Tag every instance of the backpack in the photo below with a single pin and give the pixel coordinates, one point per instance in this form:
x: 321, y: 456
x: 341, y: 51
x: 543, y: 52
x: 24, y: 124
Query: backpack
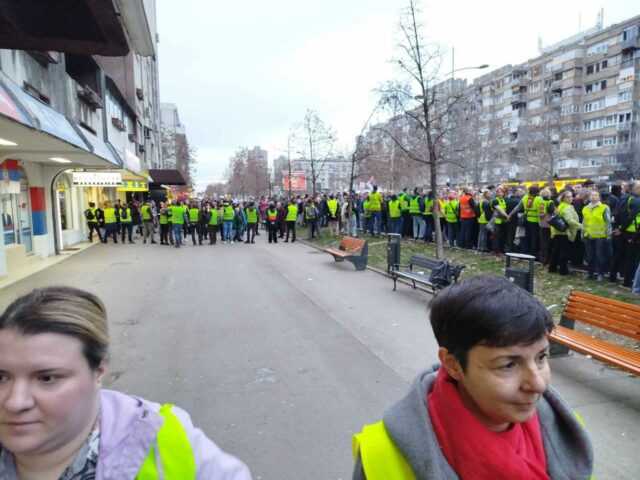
x: 89, y: 215
x: 123, y: 213
x: 621, y: 215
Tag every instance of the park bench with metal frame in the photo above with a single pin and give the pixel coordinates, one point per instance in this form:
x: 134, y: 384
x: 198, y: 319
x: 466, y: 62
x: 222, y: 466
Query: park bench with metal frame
x: 611, y: 315
x: 453, y: 271
x: 352, y: 249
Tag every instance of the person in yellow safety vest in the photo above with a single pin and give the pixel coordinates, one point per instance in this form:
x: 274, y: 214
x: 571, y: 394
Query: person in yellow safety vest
x: 333, y: 217
x: 110, y: 222
x: 597, y: 236
x: 470, y: 415
x: 93, y: 222
x: 395, y: 214
x: 126, y: 223
x: 227, y: 222
x: 75, y: 427
x: 176, y: 216
x: 628, y: 225
x: 366, y: 214
x: 292, y: 215
x: 272, y: 219
x: 375, y: 208
x: 252, y: 222
x: 547, y: 209
x: 416, y: 207
x: 147, y: 221
x: 451, y: 214
x: 499, y: 206
x: 530, y: 205
x: 165, y: 225
x: 404, y: 198
x: 484, y: 208
x: 194, y: 223
x: 212, y: 223
x: 562, y: 240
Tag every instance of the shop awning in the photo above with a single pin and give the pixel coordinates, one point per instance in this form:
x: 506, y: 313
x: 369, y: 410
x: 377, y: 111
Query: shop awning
x: 167, y: 177
x: 98, y: 147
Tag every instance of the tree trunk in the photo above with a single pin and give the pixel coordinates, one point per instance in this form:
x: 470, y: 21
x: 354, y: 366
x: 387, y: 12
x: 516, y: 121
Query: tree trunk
x: 433, y: 170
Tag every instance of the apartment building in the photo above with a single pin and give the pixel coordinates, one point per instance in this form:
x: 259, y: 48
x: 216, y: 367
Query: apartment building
x: 570, y: 112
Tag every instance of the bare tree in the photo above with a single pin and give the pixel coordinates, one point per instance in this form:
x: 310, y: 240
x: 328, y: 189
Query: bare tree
x: 628, y: 160
x: 425, y: 102
x: 317, y: 140
x: 236, y: 173
x: 216, y: 190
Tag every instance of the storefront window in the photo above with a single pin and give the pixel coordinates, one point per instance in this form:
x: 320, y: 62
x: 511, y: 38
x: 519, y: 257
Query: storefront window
x: 9, y: 217
x: 64, y: 199
x: 15, y: 211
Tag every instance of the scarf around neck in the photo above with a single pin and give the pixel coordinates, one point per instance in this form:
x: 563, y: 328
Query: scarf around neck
x: 474, y: 451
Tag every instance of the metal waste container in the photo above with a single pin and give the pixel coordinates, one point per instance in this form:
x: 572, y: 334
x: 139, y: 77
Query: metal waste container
x: 523, y: 276
x: 393, y: 250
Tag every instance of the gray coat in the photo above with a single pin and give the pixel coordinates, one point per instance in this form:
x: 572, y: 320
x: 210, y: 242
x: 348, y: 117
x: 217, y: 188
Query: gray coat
x: 566, y: 445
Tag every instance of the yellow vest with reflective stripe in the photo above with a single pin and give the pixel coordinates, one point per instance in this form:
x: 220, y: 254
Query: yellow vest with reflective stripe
x: 394, y: 209
x: 636, y: 221
x: 177, y: 214
x: 366, y: 208
x: 381, y: 459
x: 252, y: 215
x: 213, y: 221
x: 171, y: 456
x: 484, y: 206
x: 194, y: 213
x: 414, y: 205
x: 145, y: 210
x: 503, y: 205
x: 228, y: 214
x: 428, y: 207
x: 594, y: 224
x: 376, y: 201
x: 404, y: 203
x: 533, y: 212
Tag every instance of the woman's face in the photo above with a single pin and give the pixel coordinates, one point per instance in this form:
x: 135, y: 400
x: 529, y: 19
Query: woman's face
x: 594, y: 197
x: 49, y: 395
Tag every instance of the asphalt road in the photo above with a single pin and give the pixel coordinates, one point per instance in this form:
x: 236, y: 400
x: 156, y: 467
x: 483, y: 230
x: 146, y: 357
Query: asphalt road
x: 280, y: 355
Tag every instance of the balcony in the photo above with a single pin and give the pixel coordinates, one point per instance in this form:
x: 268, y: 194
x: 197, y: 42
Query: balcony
x: 623, y: 147
x: 633, y: 42
x: 556, y: 86
x: 624, y: 126
x: 517, y: 98
x: 520, y: 82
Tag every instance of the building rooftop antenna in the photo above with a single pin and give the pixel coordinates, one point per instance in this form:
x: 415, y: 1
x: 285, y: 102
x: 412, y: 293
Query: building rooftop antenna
x: 600, y: 21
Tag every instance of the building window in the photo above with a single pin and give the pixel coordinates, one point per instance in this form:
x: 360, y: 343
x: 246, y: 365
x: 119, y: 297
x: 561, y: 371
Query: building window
x: 594, y: 105
x: 625, y: 95
x: 596, y: 67
x: 597, y: 48
x: 595, y: 86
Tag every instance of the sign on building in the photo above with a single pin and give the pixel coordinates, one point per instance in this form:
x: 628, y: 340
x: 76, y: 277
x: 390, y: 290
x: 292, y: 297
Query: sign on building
x: 97, y: 179
x: 133, y: 186
x: 298, y: 180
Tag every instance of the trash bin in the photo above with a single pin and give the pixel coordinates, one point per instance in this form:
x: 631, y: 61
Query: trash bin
x: 393, y: 250
x: 523, y: 277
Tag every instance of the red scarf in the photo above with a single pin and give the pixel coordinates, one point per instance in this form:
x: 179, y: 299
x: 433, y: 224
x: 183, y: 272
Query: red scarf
x: 474, y: 451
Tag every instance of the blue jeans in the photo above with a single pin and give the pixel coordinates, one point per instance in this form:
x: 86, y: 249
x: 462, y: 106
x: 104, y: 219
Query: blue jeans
x: 227, y: 230
x: 177, y: 234
x: 376, y: 217
x: 418, y: 226
x: 428, y: 228
x: 636, y: 282
x: 598, y: 254
x: 452, y: 233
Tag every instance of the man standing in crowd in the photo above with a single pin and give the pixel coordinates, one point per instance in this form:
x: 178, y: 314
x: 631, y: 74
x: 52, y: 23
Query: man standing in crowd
x: 93, y: 221
x: 467, y: 218
x: 110, y: 222
x: 272, y: 218
x: 375, y: 206
x: 292, y: 213
x: 126, y: 223
x: 311, y: 218
x: 194, y: 223
x: 629, y: 228
x: 416, y: 207
x: 252, y: 222
x: 333, y: 216
x: 147, y: 221
x: 395, y: 214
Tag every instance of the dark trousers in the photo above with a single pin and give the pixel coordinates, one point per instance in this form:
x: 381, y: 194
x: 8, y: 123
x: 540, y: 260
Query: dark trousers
x: 312, y: 225
x: 531, y: 239
x: 560, y: 251
x: 273, y: 232
x: 598, y: 254
x: 164, y: 234
x: 407, y: 224
x: 94, y: 226
x: 213, y: 234
x: 251, y: 232
x: 466, y: 232
x: 511, y: 236
x: 499, y: 237
x: 631, y: 257
x: 127, y: 228
x: 110, y: 230
x: 291, y: 227
x: 194, y: 229
x: 545, y: 245
x: 452, y: 233
x: 617, y: 259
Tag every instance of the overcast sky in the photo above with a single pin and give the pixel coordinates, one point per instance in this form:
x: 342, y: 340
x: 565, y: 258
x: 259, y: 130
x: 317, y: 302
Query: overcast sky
x: 243, y: 73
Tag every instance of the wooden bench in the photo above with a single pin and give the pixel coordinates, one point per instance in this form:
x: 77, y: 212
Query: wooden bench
x: 611, y: 315
x: 452, y: 273
x: 352, y: 249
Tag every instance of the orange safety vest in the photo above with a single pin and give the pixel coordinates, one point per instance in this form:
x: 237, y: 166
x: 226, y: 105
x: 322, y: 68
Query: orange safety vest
x: 465, y: 209
x: 273, y: 215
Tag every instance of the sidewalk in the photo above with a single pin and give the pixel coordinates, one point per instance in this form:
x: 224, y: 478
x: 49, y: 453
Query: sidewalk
x: 607, y: 399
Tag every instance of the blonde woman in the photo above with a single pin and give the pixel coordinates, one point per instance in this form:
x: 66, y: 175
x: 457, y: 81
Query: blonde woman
x: 561, y: 242
x: 56, y: 420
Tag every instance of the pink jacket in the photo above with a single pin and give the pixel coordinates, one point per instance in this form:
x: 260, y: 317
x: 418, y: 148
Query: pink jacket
x: 128, y: 428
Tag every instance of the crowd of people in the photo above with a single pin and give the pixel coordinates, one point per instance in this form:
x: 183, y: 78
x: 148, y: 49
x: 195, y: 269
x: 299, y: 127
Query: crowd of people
x: 588, y: 226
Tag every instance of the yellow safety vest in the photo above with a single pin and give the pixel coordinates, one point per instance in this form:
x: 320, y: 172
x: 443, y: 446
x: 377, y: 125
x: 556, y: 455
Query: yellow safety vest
x: 428, y: 207
x: 333, y: 207
x: 176, y: 458
x: 177, y: 214
x: 394, y: 209
x: 194, y: 213
x: 146, y: 213
x: 214, y: 218
x: 404, y: 203
x: 502, y: 203
x: 292, y: 213
x: 414, y: 205
x: 252, y: 215
x: 451, y: 211
x: 482, y: 219
x: 164, y: 217
x: 366, y: 207
x: 376, y: 201
x: 381, y: 458
x: 636, y: 221
x: 228, y: 214
x: 594, y: 224
x: 126, y: 216
x: 532, y: 212
x: 110, y: 215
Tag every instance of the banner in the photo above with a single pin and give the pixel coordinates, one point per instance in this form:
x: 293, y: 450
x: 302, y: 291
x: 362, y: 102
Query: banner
x: 298, y: 180
x: 133, y: 186
x: 97, y: 179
